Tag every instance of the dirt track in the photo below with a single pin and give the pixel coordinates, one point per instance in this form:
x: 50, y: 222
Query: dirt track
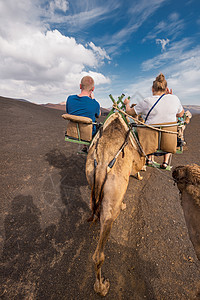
x: 46, y: 243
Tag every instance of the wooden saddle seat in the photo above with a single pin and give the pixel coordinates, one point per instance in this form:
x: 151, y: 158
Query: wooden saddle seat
x: 152, y: 140
x: 78, y: 128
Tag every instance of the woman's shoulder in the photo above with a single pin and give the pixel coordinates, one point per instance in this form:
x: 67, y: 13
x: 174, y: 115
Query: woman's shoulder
x: 172, y: 97
x: 150, y: 99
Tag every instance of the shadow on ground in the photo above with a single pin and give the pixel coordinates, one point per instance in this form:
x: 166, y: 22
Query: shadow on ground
x: 56, y: 262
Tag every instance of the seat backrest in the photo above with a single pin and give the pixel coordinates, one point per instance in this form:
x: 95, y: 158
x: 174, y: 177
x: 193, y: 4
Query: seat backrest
x: 79, y: 127
x: 168, y: 142
x: 148, y: 139
x: 152, y: 140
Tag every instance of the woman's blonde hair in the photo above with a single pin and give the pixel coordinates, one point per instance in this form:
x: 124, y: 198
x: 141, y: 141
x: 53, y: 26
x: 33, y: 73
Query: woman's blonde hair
x: 160, y: 84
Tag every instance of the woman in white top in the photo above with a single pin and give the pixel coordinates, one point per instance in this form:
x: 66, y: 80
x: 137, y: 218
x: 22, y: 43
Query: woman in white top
x: 166, y: 110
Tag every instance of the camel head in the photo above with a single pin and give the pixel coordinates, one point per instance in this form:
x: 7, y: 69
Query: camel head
x: 179, y: 175
x: 188, y: 179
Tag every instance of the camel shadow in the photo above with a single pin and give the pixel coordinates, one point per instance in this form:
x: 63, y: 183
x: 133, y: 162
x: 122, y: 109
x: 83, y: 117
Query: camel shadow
x: 55, y: 261
x: 73, y: 186
x: 72, y: 173
x: 40, y: 263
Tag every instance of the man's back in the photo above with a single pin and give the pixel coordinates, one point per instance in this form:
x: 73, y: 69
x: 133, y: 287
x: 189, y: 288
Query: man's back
x: 83, y: 106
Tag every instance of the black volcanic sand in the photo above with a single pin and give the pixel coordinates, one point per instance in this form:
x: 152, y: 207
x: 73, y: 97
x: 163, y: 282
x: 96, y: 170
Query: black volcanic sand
x: 46, y: 243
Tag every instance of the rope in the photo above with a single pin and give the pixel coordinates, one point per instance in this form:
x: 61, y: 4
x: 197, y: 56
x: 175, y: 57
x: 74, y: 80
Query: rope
x: 162, y: 172
x: 137, y: 121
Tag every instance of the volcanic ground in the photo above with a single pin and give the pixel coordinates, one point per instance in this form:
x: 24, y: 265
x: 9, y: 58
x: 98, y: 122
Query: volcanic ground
x: 46, y: 244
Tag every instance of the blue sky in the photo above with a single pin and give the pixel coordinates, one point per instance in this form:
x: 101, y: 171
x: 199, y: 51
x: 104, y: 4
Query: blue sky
x: 47, y: 46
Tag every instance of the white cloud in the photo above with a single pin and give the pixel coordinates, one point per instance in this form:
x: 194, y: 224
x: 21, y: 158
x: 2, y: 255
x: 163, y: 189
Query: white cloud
x: 140, y: 89
x: 174, y: 17
x: 186, y: 74
x: 38, y: 63
x: 172, y: 55
x: 62, y: 5
x: 99, y: 51
x: 145, y: 8
x: 181, y: 68
x: 82, y: 14
x: 138, y: 12
x: 186, y: 84
x: 163, y: 43
x: 172, y: 27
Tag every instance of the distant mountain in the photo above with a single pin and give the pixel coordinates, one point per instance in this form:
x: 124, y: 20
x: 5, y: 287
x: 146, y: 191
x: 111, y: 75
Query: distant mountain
x: 62, y: 106
x: 23, y: 100
x: 104, y: 111
x: 194, y: 109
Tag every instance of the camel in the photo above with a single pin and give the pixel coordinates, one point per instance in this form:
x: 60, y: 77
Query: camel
x: 113, y: 155
x: 188, y: 182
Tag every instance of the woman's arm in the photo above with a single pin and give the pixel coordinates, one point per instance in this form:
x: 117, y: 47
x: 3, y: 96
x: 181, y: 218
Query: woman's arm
x: 129, y: 109
x: 179, y: 115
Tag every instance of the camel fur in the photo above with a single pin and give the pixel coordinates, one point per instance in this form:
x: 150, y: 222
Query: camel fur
x: 109, y: 185
x: 188, y: 181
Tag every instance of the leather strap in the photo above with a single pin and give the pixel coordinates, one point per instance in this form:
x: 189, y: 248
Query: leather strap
x: 153, y: 107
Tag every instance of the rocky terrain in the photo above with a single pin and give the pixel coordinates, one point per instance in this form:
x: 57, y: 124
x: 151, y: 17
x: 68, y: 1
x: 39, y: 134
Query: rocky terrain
x: 46, y: 245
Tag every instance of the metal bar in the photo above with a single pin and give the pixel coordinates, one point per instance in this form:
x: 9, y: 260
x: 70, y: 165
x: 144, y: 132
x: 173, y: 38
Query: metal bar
x: 111, y: 97
x: 156, y: 126
x: 67, y: 139
x: 159, y: 139
x: 120, y: 99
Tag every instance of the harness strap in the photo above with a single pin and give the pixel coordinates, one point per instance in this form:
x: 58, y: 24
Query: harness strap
x: 95, y: 206
x: 95, y: 166
x: 125, y: 143
x: 141, y: 151
x: 153, y: 107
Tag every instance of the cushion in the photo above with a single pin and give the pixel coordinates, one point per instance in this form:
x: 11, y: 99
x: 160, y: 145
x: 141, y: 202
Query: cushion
x: 78, y: 119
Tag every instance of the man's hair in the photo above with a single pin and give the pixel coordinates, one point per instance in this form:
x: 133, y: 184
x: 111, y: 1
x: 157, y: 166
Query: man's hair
x: 160, y: 84
x: 87, y: 83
